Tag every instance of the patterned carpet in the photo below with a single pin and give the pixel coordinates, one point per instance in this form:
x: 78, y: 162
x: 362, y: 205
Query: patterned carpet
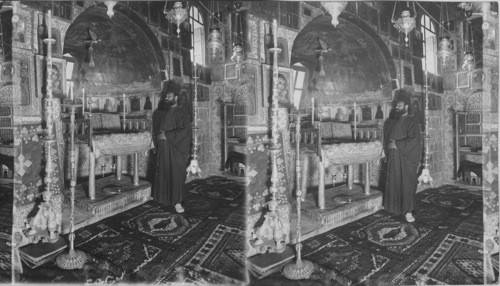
x: 153, y: 244
x: 6, y: 200
x: 443, y: 246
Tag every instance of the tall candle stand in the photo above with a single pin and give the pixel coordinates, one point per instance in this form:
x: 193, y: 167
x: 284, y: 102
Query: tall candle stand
x: 89, y: 102
x: 194, y: 167
x: 272, y: 225
x: 49, y: 140
x: 124, y: 119
x: 425, y: 177
x: 74, y: 258
x: 300, y: 269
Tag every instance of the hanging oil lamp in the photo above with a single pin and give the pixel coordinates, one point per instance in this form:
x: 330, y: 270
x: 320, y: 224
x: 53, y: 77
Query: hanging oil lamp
x: 405, y: 24
x: 334, y: 8
x: 110, y: 4
x: 177, y: 15
x: 215, y: 41
x: 238, y: 54
x: 469, y: 63
x: 444, y: 48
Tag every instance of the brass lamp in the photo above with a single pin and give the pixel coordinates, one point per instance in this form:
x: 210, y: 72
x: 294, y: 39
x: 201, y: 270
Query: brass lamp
x: 177, y: 15
x: 215, y: 41
x: 406, y: 23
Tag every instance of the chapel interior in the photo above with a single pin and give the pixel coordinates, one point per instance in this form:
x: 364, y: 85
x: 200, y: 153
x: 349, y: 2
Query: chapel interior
x: 286, y: 176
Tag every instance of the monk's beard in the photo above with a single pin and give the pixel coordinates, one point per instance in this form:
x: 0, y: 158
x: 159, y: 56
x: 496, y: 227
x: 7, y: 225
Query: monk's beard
x: 168, y: 104
x: 400, y: 113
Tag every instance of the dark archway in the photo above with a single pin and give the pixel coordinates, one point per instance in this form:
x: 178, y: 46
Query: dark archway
x: 358, y: 61
x: 127, y: 55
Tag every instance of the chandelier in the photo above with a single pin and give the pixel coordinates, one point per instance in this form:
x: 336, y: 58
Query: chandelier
x: 215, y: 41
x: 177, y: 15
x: 405, y: 23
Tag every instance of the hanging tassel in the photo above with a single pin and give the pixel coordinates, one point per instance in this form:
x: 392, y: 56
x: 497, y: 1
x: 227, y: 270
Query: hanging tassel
x: 194, y: 168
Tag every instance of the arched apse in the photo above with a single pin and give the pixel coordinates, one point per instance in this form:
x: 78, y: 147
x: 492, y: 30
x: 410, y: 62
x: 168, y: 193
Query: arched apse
x: 126, y: 53
x: 357, y: 60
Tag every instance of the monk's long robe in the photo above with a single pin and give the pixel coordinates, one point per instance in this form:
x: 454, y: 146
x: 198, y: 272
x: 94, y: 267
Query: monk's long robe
x: 171, y: 155
x: 402, y: 164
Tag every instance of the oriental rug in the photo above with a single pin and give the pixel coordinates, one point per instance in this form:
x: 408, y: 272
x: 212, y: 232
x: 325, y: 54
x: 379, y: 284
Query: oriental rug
x: 153, y: 244
x: 6, y: 200
x: 443, y: 246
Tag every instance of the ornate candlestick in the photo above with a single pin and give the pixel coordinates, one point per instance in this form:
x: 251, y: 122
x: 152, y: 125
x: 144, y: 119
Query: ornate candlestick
x: 74, y: 258
x: 47, y: 221
x: 272, y: 227
x: 194, y: 167
x: 301, y: 269
x: 425, y: 176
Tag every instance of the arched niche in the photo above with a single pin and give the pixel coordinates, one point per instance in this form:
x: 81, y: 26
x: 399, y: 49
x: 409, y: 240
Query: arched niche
x: 357, y: 64
x: 127, y: 56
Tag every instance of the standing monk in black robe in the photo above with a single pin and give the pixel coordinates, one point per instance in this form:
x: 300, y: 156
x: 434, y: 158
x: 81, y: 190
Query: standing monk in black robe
x: 172, y: 135
x: 403, y: 147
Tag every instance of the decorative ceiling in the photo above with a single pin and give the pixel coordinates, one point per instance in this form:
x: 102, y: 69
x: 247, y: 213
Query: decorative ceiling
x: 122, y: 52
x: 354, y: 62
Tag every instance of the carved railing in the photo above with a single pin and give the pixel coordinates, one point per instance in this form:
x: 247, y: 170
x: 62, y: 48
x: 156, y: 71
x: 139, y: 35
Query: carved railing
x: 82, y: 126
x: 311, y: 139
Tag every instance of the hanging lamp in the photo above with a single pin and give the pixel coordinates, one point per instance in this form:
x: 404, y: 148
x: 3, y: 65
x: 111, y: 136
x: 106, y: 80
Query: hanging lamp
x: 215, y: 41
x: 177, y: 15
x: 469, y: 58
x: 215, y: 36
x: 405, y: 23
x: 110, y: 4
x: 238, y: 50
x: 334, y: 8
x: 445, y: 50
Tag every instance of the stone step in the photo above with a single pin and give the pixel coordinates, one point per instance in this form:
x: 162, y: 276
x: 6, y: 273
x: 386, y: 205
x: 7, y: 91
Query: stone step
x: 342, y: 205
x: 112, y: 197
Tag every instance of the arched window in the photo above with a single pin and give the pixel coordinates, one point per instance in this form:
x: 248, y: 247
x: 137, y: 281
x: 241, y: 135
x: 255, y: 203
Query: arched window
x: 197, y: 36
x: 429, y: 44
